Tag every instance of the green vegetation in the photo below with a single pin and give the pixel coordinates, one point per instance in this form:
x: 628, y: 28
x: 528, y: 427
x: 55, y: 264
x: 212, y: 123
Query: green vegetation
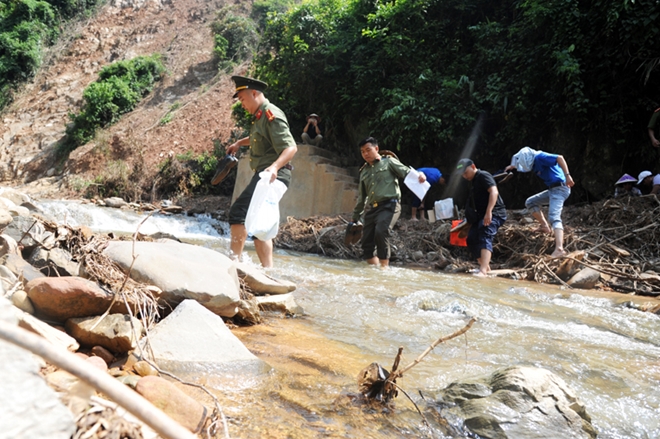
x: 576, y: 78
x: 170, y: 114
x: 185, y: 174
x: 235, y: 37
x: 118, y: 90
x: 26, y: 27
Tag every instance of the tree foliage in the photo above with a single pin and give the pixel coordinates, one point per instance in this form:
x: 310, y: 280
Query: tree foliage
x: 26, y: 27
x: 118, y: 90
x: 578, y: 78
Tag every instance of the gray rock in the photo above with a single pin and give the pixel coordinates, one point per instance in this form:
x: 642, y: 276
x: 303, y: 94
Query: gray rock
x: 260, y: 283
x: 29, y: 232
x: 5, y: 219
x: 8, y: 245
x: 514, y: 402
x: 284, y: 303
x: 21, y: 268
x: 61, y: 261
x: 114, y: 332
x: 193, y: 340
x: 115, y: 202
x: 587, y: 278
x: 21, y: 301
x: 30, y: 409
x: 182, y: 271
x: 16, y: 197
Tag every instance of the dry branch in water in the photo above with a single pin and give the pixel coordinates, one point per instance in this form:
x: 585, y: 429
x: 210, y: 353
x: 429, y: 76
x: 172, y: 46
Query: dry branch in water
x: 376, y: 383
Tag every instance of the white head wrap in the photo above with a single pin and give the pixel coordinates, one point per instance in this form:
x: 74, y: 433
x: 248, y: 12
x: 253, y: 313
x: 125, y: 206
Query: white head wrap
x: 523, y: 160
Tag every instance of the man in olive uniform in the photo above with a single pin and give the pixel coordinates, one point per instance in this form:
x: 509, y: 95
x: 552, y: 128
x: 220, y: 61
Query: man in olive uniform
x: 379, y: 193
x: 272, y: 146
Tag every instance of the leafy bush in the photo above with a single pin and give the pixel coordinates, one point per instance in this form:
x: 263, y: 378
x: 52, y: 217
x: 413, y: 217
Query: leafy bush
x: 26, y: 27
x: 235, y: 37
x: 190, y: 173
x: 118, y: 90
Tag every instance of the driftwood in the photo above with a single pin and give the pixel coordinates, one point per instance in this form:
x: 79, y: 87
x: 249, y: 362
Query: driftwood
x: 377, y: 384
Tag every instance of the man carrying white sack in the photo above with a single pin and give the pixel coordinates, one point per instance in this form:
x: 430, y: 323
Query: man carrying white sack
x: 272, y: 147
x: 553, y: 170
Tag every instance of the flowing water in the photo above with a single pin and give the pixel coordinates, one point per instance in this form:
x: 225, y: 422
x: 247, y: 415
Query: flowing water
x: 355, y: 315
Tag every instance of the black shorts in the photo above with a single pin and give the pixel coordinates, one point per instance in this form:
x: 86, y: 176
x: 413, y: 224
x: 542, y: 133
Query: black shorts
x: 238, y: 210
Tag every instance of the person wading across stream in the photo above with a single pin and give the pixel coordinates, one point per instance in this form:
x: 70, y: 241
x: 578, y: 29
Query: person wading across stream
x: 553, y: 170
x: 272, y: 147
x: 379, y: 195
x: 491, y: 213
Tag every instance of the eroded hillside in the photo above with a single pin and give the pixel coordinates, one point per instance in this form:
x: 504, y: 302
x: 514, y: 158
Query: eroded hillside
x: 123, y: 29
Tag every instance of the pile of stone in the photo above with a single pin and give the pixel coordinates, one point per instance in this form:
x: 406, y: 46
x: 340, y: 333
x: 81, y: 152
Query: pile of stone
x: 72, y: 288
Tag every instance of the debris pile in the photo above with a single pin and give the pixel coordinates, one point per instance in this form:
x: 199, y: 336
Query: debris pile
x: 617, y: 239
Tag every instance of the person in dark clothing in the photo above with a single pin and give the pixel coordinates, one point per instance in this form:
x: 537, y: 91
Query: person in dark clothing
x: 491, y: 213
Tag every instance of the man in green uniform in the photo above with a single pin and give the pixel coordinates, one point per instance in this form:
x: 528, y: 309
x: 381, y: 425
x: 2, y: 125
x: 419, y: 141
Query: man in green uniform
x: 379, y: 195
x: 271, y: 148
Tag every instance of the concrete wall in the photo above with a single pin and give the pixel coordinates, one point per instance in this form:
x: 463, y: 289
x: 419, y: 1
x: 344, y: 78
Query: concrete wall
x: 318, y: 186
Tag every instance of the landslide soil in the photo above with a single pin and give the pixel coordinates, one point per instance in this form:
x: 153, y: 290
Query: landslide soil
x: 198, y: 97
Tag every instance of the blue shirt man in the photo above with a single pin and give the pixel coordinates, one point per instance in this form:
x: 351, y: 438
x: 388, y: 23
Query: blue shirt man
x: 553, y: 170
x: 433, y: 176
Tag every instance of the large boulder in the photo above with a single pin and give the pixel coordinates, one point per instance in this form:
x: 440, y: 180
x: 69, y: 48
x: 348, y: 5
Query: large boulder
x: 193, y: 340
x: 62, y: 298
x: 517, y: 403
x: 182, y: 271
x: 30, y: 409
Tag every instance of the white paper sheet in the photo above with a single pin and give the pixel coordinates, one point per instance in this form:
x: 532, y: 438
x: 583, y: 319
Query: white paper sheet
x: 412, y: 181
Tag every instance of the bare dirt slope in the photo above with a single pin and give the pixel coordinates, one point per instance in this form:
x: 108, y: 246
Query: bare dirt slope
x: 123, y: 29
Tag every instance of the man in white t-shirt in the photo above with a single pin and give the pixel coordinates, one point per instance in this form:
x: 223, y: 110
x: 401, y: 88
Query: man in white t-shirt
x: 647, y: 179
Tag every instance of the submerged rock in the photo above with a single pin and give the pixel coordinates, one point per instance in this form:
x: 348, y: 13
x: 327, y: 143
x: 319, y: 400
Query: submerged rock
x: 517, y: 403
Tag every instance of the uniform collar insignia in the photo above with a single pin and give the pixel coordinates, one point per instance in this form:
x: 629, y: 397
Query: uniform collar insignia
x: 258, y: 114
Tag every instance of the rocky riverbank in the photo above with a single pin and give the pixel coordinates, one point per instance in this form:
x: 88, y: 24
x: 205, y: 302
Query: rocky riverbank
x: 126, y: 307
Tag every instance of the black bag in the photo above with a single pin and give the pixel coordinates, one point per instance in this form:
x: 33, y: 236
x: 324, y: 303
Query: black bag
x: 470, y: 210
x: 471, y: 215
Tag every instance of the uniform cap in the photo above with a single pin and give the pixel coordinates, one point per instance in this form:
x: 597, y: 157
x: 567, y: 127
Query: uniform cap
x: 243, y: 83
x: 463, y: 164
x: 315, y: 116
x: 626, y: 178
x: 642, y: 176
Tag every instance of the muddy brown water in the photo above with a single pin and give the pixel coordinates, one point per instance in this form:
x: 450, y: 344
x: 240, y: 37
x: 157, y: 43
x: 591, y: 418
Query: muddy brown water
x: 355, y: 315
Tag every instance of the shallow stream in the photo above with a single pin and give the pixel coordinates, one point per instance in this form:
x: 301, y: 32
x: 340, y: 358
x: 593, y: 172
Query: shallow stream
x: 355, y: 315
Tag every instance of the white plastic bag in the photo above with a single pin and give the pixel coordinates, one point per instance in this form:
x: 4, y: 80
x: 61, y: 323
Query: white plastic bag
x: 263, y: 215
x: 444, y: 209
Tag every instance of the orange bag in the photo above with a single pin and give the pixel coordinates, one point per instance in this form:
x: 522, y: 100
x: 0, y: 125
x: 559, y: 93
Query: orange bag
x: 459, y: 236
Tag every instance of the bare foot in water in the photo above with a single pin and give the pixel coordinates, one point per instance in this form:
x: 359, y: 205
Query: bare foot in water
x: 558, y: 254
